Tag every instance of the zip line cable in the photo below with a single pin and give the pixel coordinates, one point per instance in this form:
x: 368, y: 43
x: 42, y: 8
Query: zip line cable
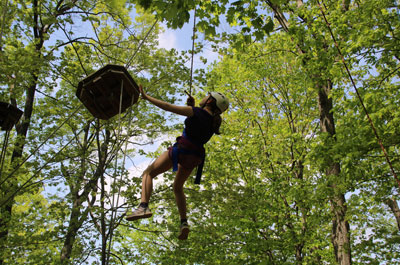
x: 47, y: 162
x: 358, y: 94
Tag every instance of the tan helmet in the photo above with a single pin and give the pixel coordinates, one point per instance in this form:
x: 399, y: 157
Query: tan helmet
x: 221, y: 101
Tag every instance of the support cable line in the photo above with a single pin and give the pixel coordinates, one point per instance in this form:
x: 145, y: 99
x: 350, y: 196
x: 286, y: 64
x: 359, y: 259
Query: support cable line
x: 113, y: 212
x: 40, y: 145
x: 358, y: 94
x: 3, y: 151
x: 40, y: 169
x: 141, y: 43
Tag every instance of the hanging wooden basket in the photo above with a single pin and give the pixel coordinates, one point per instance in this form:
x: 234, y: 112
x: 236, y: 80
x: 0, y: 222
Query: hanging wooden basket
x: 9, y: 116
x: 100, y: 92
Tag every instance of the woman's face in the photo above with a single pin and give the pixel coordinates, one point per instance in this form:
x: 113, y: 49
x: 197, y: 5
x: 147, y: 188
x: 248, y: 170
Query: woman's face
x: 204, y: 101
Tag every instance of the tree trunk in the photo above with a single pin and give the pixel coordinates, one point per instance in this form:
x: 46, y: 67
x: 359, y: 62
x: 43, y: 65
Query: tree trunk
x: 393, y: 205
x: 340, y: 227
x: 74, y: 224
x: 77, y: 218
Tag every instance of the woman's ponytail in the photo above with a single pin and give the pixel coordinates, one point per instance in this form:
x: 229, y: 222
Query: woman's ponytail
x: 217, y: 120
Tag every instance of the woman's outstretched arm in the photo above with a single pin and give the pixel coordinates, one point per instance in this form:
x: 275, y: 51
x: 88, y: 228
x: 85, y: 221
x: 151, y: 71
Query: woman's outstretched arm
x: 181, y: 110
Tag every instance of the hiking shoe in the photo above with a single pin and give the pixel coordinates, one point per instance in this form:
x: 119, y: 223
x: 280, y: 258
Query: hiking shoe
x: 139, y: 213
x: 184, y: 231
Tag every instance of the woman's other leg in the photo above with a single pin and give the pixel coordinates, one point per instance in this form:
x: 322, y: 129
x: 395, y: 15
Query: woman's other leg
x: 180, y: 179
x: 181, y: 176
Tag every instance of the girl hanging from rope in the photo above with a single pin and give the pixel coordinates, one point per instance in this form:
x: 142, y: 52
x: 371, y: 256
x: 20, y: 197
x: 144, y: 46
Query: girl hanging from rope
x: 187, y: 153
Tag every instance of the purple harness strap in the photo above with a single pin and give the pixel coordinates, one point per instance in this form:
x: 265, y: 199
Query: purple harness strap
x: 196, y: 149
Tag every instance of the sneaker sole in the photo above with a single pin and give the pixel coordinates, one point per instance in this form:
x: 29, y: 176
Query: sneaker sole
x: 137, y: 217
x: 184, y: 233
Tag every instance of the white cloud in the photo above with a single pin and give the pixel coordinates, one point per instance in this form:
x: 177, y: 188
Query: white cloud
x: 167, y: 40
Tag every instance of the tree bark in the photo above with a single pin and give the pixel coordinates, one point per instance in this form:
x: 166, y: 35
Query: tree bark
x: 340, y: 227
x: 394, y: 206
x: 77, y: 218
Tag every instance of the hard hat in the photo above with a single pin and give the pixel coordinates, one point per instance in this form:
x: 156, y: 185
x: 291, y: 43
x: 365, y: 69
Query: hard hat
x: 221, y: 101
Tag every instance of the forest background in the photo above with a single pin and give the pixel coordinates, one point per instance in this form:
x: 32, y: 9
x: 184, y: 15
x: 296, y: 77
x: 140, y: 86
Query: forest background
x: 305, y: 171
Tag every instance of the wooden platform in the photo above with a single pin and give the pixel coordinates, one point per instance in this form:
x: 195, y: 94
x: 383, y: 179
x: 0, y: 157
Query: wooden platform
x: 100, y: 92
x: 9, y: 116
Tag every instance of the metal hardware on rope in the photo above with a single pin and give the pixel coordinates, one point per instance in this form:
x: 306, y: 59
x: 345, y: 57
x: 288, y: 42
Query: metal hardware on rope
x: 359, y: 96
x: 193, y: 39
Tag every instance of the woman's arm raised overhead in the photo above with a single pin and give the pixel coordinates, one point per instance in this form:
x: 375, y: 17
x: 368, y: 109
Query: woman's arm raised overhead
x: 180, y: 110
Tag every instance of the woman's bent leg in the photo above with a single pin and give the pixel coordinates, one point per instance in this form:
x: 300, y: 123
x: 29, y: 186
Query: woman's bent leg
x: 160, y: 165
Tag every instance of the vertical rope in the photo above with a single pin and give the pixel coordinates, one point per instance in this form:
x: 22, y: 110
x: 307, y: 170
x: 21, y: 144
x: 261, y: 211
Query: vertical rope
x: 193, y: 39
x: 359, y: 96
x: 113, y: 211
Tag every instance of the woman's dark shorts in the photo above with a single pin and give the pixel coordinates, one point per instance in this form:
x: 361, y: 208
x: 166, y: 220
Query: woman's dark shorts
x: 185, y: 160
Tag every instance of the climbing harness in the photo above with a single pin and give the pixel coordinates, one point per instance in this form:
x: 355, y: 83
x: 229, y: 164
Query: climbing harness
x: 187, y: 146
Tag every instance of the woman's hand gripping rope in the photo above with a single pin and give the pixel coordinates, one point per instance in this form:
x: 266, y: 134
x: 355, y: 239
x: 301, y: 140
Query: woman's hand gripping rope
x: 190, y: 100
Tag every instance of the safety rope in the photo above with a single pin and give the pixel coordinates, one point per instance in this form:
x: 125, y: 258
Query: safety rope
x: 193, y: 40
x: 358, y: 94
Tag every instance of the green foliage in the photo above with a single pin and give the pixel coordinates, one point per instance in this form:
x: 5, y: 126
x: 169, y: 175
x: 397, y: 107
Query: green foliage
x: 265, y: 196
